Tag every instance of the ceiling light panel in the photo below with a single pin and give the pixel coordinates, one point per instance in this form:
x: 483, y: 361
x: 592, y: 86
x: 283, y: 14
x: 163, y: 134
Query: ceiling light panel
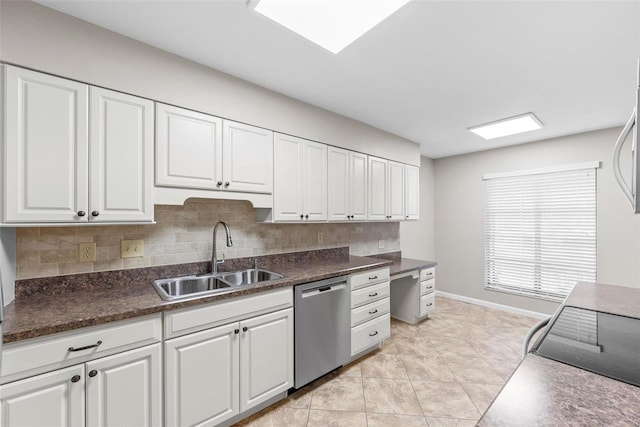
x: 332, y: 24
x: 510, y: 126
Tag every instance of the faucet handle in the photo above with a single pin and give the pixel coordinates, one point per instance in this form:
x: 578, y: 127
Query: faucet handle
x: 220, y: 261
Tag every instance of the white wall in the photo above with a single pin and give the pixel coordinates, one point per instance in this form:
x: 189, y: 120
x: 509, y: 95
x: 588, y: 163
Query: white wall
x: 417, y: 237
x: 459, y: 214
x: 37, y: 37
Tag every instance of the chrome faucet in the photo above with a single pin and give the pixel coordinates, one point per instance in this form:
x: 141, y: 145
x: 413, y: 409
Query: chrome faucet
x: 214, y: 257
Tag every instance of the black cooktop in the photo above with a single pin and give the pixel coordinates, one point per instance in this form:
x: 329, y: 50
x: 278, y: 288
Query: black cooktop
x: 603, y: 343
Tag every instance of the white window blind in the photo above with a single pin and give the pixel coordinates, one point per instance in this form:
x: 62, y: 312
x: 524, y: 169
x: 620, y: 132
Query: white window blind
x: 540, y: 231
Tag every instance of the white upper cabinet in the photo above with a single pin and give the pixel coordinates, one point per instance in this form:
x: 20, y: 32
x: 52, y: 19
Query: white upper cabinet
x: 61, y: 135
x: 188, y: 148
x: 386, y: 190
x: 347, y: 179
x: 378, y: 183
x: 200, y: 151
x: 412, y: 192
x: 395, y: 197
x: 46, y: 148
x: 247, y: 158
x: 300, y: 179
x: 120, y: 157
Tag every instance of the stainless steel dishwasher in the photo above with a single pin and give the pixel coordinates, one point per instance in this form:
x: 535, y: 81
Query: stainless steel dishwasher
x: 322, y: 328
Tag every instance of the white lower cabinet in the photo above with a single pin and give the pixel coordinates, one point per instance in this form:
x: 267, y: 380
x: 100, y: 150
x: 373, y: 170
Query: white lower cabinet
x: 213, y: 375
x: 370, y: 305
x: 413, y: 296
x: 52, y: 399
x: 119, y: 390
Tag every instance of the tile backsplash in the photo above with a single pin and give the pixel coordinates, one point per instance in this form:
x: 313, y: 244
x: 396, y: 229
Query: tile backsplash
x: 183, y: 234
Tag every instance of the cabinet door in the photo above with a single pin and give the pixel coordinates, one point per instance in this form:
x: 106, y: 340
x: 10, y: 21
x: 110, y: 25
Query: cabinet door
x: 338, y: 184
x: 266, y: 357
x: 287, y: 193
x: 314, y: 179
x: 125, y: 389
x: 201, y: 377
x: 412, y: 192
x: 358, y: 186
x: 396, y: 191
x: 121, y: 157
x: 188, y: 148
x: 377, y: 188
x: 51, y: 399
x: 247, y: 158
x: 45, y: 147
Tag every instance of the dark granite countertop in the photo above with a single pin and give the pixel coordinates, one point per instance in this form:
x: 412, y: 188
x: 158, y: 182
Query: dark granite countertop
x: 404, y: 265
x: 57, y: 304
x: 544, y: 392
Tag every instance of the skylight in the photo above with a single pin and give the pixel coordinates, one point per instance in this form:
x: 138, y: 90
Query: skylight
x: 510, y: 126
x: 331, y: 24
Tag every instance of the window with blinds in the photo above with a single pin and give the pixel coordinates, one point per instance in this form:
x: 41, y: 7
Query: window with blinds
x: 540, y: 230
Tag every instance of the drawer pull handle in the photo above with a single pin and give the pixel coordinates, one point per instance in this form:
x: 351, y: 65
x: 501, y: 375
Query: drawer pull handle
x: 86, y: 347
x: 373, y: 278
x: 430, y: 304
x: 375, y: 294
x: 93, y: 373
x: 429, y: 287
x: 75, y: 378
x: 373, y: 334
x: 374, y: 311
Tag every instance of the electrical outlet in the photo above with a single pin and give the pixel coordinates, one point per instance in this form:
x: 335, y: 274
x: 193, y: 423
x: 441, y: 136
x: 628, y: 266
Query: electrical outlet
x: 320, y: 237
x: 86, y: 252
x: 380, y: 244
x: 131, y: 248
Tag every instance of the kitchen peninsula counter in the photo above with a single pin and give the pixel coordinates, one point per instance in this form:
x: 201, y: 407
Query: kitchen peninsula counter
x: 544, y: 392
x: 62, y: 303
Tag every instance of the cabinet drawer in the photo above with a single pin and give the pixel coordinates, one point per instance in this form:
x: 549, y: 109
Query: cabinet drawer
x: 428, y: 273
x: 370, y: 333
x: 188, y: 320
x: 369, y: 294
x: 427, y: 304
x: 367, y: 278
x: 38, y: 355
x: 427, y: 286
x: 369, y: 311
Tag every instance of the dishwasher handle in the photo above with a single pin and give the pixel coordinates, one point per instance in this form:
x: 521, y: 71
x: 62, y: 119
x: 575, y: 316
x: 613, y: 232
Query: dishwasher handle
x: 323, y: 290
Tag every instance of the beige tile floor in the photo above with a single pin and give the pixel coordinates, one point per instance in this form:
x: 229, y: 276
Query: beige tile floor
x: 444, y: 371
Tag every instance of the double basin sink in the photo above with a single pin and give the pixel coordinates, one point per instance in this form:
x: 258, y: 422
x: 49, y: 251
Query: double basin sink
x: 203, y: 285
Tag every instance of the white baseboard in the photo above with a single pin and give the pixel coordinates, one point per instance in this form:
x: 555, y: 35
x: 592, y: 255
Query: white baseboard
x: 489, y: 304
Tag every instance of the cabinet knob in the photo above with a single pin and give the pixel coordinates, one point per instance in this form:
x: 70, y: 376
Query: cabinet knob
x: 301, y: 216
x: 75, y: 378
x: 226, y: 184
x: 407, y: 216
x: 219, y: 183
x: 245, y: 329
x: 81, y: 213
x: 306, y: 216
x: 93, y: 373
x: 95, y: 213
x: 236, y: 331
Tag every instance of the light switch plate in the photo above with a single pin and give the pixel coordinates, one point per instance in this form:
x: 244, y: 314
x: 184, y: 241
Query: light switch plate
x: 131, y: 248
x: 86, y: 252
x: 320, y: 237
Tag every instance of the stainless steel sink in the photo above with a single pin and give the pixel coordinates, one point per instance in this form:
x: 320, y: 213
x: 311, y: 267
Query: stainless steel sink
x: 199, y: 286
x: 250, y: 275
